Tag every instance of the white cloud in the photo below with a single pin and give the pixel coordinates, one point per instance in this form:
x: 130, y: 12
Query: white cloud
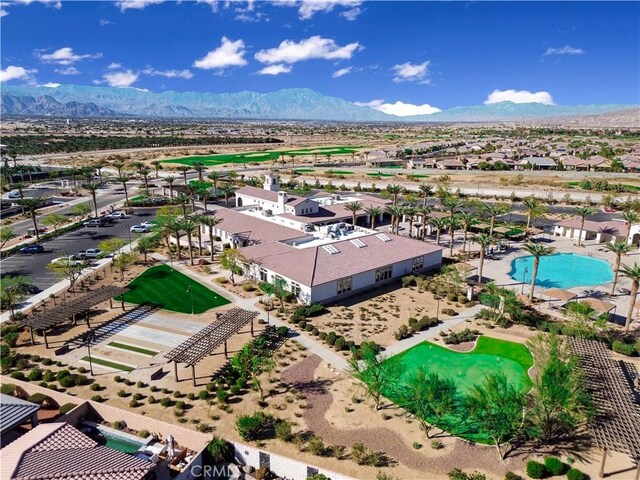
x: 65, y: 56
x: 67, y: 71
x: 135, y: 4
x: 105, y: 22
x: 120, y: 79
x: 342, y: 72
x: 352, y: 14
x: 314, y: 47
x: 50, y: 85
x: 228, y: 54
x: 52, y: 3
x: 114, y: 66
x: 566, y: 50
x: 399, y: 109
x: 308, y: 8
x: 212, y: 3
x: 3, y: 12
x: 186, y: 74
x: 15, y: 73
x: 276, y: 69
x: 411, y: 72
x: 519, y: 96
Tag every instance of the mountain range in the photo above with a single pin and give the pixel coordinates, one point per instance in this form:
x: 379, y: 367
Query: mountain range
x: 287, y: 104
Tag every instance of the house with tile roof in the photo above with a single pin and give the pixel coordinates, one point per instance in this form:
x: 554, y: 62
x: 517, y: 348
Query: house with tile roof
x: 58, y: 450
x: 15, y: 412
x: 602, y: 232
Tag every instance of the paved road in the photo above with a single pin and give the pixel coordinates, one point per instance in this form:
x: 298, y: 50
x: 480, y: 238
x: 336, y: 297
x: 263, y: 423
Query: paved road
x: 35, y: 266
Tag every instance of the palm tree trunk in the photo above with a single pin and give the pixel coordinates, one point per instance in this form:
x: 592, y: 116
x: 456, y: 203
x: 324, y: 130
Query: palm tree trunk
x: 353, y: 219
x: 493, y: 223
x: 177, y: 232
x: 411, y: 227
x: 171, y: 191
x: 451, y: 241
x: 373, y: 222
x: 438, y: 237
x: 534, y: 274
x: 632, y: 304
x: 199, y: 242
x: 190, y: 248
x: 35, y: 223
x: 481, y: 264
x: 464, y: 241
x: 581, y: 228
x: 126, y: 194
x: 95, y: 203
x: 528, y: 220
x: 616, y: 270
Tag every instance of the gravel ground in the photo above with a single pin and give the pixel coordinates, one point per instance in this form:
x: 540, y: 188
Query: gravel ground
x: 462, y: 455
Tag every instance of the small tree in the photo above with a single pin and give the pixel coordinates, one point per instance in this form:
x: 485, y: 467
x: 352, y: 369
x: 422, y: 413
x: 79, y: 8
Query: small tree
x: 429, y: 397
x: 69, y: 270
x: 12, y: 293
x: 81, y: 210
x: 123, y: 261
x: 54, y: 220
x: 148, y: 244
x: 354, y: 208
x: 233, y: 261
x: 378, y: 374
x: 111, y: 245
x: 6, y: 234
x: 496, y: 406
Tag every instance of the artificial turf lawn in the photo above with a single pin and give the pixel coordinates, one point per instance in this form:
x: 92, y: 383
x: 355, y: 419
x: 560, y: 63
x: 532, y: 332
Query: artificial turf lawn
x: 340, y: 172
x: 167, y: 288
x: 124, y: 346
x: 272, y: 155
x: 466, y: 369
x: 107, y: 363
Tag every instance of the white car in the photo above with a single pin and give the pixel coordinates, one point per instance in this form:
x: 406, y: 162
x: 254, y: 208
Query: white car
x: 70, y: 259
x: 148, y: 224
x: 118, y: 214
x: 14, y: 194
x: 139, y: 229
x: 90, y: 253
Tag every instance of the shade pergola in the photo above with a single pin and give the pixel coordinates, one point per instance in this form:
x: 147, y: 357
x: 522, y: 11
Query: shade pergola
x: 68, y: 310
x: 205, y: 341
x: 600, y: 305
x: 533, y: 231
x: 615, y: 427
x: 481, y: 226
x: 559, y: 294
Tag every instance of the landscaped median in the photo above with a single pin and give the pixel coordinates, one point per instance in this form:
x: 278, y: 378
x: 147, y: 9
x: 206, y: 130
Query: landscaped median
x: 169, y: 289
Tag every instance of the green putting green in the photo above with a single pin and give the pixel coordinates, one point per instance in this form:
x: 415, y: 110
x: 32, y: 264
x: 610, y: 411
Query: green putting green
x: 131, y: 348
x: 109, y: 364
x: 304, y: 170
x: 469, y: 368
x: 340, y: 172
x: 271, y: 155
x: 171, y: 290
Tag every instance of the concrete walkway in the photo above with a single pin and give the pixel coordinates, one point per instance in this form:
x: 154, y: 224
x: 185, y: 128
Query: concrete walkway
x: 312, y: 346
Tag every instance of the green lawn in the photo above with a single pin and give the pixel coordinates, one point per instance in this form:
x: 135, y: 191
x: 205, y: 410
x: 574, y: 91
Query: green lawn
x: 107, y: 363
x: 167, y: 288
x: 380, y: 174
x: 467, y: 369
x: 271, y: 155
x: 340, y: 172
x: 131, y: 348
x: 304, y: 170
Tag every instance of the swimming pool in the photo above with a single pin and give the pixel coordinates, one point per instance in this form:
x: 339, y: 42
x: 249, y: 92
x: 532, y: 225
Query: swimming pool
x: 563, y: 270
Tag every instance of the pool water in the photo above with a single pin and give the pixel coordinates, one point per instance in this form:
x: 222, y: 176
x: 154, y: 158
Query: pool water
x: 121, y: 444
x: 563, y: 270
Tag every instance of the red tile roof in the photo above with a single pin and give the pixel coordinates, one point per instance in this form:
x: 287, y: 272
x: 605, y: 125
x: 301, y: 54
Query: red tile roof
x: 58, y: 450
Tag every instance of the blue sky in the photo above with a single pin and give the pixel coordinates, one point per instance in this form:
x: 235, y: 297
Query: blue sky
x: 424, y: 55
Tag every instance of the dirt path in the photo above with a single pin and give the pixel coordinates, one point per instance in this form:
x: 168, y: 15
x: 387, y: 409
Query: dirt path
x: 462, y: 455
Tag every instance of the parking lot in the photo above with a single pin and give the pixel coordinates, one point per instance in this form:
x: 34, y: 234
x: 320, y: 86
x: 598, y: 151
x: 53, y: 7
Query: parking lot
x: 35, y: 266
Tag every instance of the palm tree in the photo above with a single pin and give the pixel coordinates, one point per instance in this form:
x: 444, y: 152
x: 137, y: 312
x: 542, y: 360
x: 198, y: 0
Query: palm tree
x: 210, y: 221
x: 183, y: 200
x: 394, y: 191
x: 537, y: 251
x: 189, y: 227
x: 31, y: 204
x: 453, y: 223
x: 534, y: 209
x: 92, y: 187
x: 119, y: 166
x: 214, y: 177
x: 424, y: 212
x: 629, y: 216
x: 493, y: 210
x: 170, y: 179
x: 439, y: 224
x: 373, y: 213
x: 396, y: 215
x: 410, y: 212
x: 618, y: 249
x: 484, y: 241
x: 184, y: 169
x: 451, y: 204
x: 199, y: 167
x: 354, y: 208
x: 124, y: 178
x: 144, y: 173
x: 583, y: 213
x: 227, y: 191
x: 467, y: 219
x: 20, y: 187
x: 426, y: 190
x: 99, y: 165
x: 175, y: 225
x: 157, y: 165
x: 633, y: 274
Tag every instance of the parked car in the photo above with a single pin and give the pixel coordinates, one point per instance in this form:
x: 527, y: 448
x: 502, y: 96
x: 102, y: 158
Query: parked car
x: 95, y: 222
x: 148, y: 225
x: 89, y: 253
x: 34, y: 248
x: 118, y: 214
x: 14, y: 194
x: 71, y: 259
x: 140, y: 229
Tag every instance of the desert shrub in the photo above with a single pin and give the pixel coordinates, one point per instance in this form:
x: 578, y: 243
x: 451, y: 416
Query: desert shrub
x: 46, y: 402
x: 180, y: 404
x: 191, y: 396
x: 316, y: 446
x: 35, y: 375
x: 536, y: 469
x: 62, y: 374
x: 97, y: 398
x: 22, y: 363
x: 13, y: 390
x: 143, y: 433
x: 340, y: 343
x: 119, y: 425
x: 47, y: 361
x: 437, y: 445
x: 302, y: 324
x: 166, y: 402
x: 36, y: 358
x: 67, y: 407
x: 318, y: 476
x: 282, y: 331
x: 458, y: 474
x: 151, y: 399
x: 67, y: 382
x: 283, y: 431
x: 137, y: 396
x: 451, y: 296
x: 512, y: 476
x: 140, y: 384
x: 79, y: 380
x: 222, y: 396
x: 118, y: 379
x: 417, y: 445
x: 10, y: 338
x: 322, y: 336
x: 18, y: 376
x: 122, y: 393
x: 308, y: 327
x: 465, y: 335
x: 178, y: 412
x: 177, y: 394
x: 575, y: 474
x: 247, y: 287
x: 204, y: 428
x: 235, y: 390
x: 82, y: 370
x: 331, y: 338
x: 554, y: 465
x: 252, y: 427
x: 449, y: 311
x: 48, y: 376
x: 133, y: 403
x: 623, y: 348
x: 402, y: 332
x: 222, y: 280
x: 203, y: 395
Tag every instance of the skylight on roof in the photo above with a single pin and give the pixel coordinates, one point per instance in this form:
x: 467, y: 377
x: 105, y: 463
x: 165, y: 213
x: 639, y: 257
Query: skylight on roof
x: 358, y: 243
x: 384, y: 237
x: 330, y: 249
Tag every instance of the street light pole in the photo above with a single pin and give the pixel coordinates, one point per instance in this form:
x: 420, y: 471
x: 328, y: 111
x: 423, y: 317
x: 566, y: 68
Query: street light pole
x: 190, y: 290
x: 89, y: 337
x: 128, y: 227
x: 524, y: 276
